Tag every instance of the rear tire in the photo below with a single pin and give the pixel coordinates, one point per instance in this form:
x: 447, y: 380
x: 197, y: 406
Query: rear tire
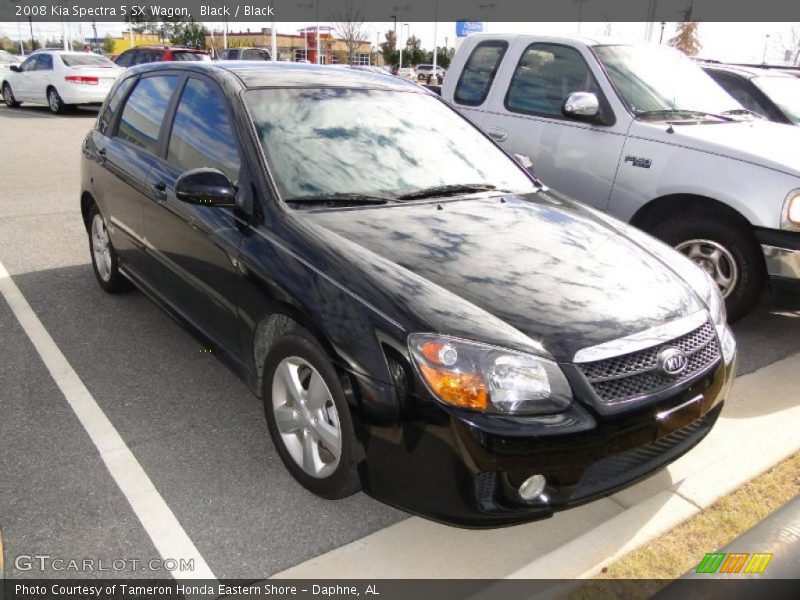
x: 104, y: 258
x: 8, y: 96
x: 308, y: 416
x: 54, y: 102
x: 724, y: 247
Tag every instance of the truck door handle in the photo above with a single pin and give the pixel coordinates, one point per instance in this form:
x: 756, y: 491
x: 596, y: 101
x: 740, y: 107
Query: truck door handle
x: 160, y: 186
x: 102, y: 155
x: 501, y: 135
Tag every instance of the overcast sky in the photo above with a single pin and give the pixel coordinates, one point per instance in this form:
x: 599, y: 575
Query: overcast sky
x: 732, y: 42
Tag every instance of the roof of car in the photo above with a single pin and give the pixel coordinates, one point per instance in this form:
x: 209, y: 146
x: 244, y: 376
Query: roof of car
x: 586, y: 40
x: 745, y: 71
x: 255, y: 74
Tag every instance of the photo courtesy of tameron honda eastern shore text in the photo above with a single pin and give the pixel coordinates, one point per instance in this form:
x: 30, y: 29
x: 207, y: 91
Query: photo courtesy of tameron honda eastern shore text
x: 423, y: 319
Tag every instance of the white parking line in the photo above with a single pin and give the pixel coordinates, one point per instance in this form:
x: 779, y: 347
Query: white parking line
x: 166, y: 533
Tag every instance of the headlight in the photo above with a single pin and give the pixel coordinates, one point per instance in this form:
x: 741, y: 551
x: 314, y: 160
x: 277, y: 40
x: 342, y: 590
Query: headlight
x: 487, y: 378
x: 716, y: 306
x: 790, y: 216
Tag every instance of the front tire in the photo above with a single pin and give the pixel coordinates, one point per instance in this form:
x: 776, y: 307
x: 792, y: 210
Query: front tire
x: 726, y: 249
x: 308, y: 416
x: 8, y: 96
x: 54, y: 102
x: 104, y: 258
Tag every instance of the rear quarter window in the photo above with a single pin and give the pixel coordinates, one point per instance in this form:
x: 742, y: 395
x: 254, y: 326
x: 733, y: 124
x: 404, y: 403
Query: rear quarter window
x: 107, y: 116
x: 479, y: 72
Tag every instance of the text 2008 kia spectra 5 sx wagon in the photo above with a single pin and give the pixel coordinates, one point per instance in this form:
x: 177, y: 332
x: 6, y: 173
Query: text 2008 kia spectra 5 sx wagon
x: 423, y: 319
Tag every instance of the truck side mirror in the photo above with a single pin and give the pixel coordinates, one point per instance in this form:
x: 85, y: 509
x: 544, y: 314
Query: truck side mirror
x: 581, y: 105
x: 525, y: 161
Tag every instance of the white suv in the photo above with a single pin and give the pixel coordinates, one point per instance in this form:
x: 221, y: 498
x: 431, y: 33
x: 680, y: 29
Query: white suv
x: 641, y: 132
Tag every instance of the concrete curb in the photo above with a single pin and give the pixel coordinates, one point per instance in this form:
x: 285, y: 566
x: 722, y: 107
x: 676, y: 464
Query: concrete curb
x: 757, y: 429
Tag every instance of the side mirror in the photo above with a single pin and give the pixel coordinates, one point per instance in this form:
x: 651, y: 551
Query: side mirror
x: 14, y: 68
x: 209, y: 187
x: 581, y: 105
x: 525, y: 161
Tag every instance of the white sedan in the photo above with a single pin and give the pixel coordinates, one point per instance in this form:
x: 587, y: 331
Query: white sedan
x: 59, y: 79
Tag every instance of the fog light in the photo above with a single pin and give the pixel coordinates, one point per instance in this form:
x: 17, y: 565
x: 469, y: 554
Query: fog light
x: 532, y: 487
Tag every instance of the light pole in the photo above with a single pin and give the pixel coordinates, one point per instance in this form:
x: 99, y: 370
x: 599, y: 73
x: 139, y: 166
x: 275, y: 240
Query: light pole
x: 580, y: 4
x: 401, y: 45
x: 309, y: 6
x: 766, y: 42
x: 661, y: 37
x: 435, y: 31
x: 318, y: 46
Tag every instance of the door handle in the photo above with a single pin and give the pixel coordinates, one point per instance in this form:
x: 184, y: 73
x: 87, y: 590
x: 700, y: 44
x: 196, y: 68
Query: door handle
x: 159, y: 191
x: 160, y: 186
x: 501, y: 135
x: 102, y: 155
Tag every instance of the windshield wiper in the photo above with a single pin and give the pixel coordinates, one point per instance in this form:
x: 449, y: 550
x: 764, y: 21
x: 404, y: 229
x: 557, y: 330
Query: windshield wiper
x: 339, y: 199
x: 675, y: 111
x: 743, y: 111
x: 439, y: 191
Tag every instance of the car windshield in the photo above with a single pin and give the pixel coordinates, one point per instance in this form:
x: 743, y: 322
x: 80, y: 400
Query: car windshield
x: 86, y: 60
x: 662, y: 81
x: 783, y: 91
x: 7, y: 57
x: 373, y: 142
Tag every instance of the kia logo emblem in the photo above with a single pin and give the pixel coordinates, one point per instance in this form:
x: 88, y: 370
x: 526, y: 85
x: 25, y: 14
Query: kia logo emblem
x: 672, y: 361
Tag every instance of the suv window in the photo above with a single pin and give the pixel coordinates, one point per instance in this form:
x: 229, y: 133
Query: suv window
x: 104, y: 122
x: 187, y: 56
x: 124, y: 59
x: 144, y: 111
x: 476, y: 79
x: 202, y: 135
x: 545, y: 75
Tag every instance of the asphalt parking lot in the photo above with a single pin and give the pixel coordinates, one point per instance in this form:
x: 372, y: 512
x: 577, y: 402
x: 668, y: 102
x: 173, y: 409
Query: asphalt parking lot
x: 195, y: 429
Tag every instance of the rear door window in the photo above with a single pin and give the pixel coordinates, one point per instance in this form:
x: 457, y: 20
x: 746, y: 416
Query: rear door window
x: 479, y: 72
x: 144, y: 111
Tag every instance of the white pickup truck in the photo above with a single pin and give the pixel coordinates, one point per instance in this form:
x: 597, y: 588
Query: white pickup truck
x: 642, y: 133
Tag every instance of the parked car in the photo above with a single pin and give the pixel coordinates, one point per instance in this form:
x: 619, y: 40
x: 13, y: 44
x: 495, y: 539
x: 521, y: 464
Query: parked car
x: 6, y: 60
x: 773, y: 94
x: 422, y: 318
x: 245, y: 54
x: 642, y: 133
x: 148, y: 54
x: 409, y: 73
x: 58, y: 79
x: 425, y: 73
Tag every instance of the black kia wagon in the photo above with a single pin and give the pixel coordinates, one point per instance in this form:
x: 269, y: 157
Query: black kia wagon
x: 423, y: 319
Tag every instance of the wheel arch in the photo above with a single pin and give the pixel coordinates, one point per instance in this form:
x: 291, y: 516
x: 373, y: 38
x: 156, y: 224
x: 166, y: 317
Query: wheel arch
x: 87, y: 200
x: 659, y: 209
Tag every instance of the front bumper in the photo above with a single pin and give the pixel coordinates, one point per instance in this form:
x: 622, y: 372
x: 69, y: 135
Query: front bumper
x: 781, y: 253
x: 465, y: 468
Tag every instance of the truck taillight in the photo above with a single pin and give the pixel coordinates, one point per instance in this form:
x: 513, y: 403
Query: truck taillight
x: 81, y: 79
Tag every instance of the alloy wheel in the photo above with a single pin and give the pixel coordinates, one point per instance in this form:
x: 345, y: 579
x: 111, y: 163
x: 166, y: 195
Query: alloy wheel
x: 101, y: 248
x: 714, y: 259
x: 8, y: 97
x: 306, y: 417
x: 53, y: 100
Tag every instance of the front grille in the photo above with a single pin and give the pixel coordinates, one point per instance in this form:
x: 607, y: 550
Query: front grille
x: 635, y: 374
x: 619, y: 469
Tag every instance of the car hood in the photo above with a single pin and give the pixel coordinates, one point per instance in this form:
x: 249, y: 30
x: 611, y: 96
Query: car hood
x: 529, y: 272
x: 763, y: 143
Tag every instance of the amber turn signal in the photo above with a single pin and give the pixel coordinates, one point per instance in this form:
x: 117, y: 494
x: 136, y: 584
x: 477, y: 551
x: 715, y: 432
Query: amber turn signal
x: 466, y: 390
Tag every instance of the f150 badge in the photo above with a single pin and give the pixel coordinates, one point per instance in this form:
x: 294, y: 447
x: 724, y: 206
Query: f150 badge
x: 639, y: 162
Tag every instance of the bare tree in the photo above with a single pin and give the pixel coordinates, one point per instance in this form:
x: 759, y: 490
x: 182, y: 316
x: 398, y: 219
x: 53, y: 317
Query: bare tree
x: 687, y: 39
x: 348, y: 23
x: 792, y: 45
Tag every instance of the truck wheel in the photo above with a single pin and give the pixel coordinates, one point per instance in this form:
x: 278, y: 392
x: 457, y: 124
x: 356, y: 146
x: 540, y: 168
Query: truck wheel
x: 725, y: 249
x: 8, y: 96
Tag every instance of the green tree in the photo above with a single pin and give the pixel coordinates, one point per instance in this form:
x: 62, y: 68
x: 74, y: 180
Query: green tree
x: 389, y: 48
x: 108, y: 44
x: 687, y: 39
x: 189, y: 34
